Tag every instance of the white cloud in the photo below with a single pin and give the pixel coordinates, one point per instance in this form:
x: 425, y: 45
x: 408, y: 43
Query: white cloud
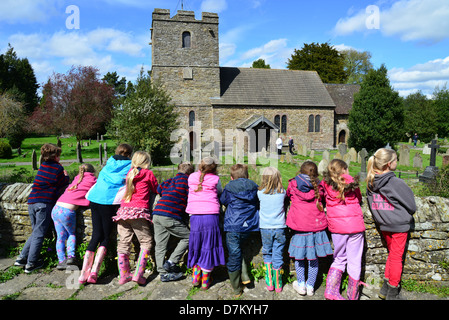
x: 410, y: 20
x: 25, y: 11
x: 424, y: 77
x: 215, y: 6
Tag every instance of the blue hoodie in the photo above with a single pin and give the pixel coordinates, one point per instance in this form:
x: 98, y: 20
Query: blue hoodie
x: 242, y: 212
x: 110, y: 186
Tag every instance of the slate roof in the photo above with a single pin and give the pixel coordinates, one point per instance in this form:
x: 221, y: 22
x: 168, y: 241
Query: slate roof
x: 254, y: 120
x: 271, y: 87
x: 343, y: 96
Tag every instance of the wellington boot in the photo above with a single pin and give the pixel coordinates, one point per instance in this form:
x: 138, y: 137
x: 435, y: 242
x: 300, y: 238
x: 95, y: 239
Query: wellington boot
x: 333, y: 282
x: 235, y: 283
x: 140, y: 267
x: 196, y: 276
x: 269, y: 276
x: 123, y: 267
x: 99, y: 256
x: 87, y: 266
x: 277, y: 279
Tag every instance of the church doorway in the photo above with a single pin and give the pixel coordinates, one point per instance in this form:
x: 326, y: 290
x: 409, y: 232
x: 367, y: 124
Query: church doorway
x: 342, y: 136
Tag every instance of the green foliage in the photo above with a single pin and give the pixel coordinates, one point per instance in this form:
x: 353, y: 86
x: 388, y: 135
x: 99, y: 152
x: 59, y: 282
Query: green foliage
x: 357, y: 65
x: 5, y: 150
x: 146, y: 119
x: 441, y: 104
x: 439, y: 186
x: 377, y: 115
x: 322, y: 58
x: 260, y: 64
x: 419, y: 116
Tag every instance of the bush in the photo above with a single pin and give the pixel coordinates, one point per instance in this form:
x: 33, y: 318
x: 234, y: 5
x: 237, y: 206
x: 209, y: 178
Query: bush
x: 5, y: 150
x: 440, y: 185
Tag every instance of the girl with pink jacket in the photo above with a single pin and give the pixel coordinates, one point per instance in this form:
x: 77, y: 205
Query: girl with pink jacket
x: 345, y: 222
x: 307, y: 220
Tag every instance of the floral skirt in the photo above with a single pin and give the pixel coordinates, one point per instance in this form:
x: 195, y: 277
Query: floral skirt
x: 126, y: 213
x: 309, y: 245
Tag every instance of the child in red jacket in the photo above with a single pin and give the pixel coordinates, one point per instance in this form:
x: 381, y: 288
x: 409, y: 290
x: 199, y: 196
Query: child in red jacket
x: 345, y: 222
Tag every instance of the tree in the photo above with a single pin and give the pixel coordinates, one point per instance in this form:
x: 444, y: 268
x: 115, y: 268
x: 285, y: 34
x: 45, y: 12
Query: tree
x: 13, y: 120
x: 419, y: 116
x: 78, y: 103
x: 322, y: 58
x: 441, y: 105
x: 260, y: 64
x: 356, y: 65
x: 146, y: 119
x: 17, y: 78
x: 377, y: 114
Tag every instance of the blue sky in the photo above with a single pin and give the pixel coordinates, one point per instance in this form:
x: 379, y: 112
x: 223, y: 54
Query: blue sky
x: 411, y: 37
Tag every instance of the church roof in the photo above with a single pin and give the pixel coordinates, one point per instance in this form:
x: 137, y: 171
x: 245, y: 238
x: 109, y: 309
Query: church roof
x: 343, y: 96
x: 272, y: 87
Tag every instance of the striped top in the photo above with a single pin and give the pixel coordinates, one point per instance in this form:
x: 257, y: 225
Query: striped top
x: 173, y: 201
x: 48, y: 183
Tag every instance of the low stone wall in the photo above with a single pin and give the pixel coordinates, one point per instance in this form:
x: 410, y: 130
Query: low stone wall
x: 427, y: 249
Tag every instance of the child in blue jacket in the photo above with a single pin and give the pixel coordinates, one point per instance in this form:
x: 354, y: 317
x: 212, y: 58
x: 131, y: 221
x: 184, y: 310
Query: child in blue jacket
x: 241, y: 217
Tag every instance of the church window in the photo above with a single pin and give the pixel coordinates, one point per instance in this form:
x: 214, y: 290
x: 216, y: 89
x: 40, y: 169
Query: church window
x: 186, y: 39
x: 277, y: 120
x: 317, y: 123
x: 284, y: 124
x: 311, y: 118
x: 191, y: 118
x: 314, y: 123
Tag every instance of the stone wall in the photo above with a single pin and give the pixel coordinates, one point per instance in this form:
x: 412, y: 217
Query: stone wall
x: 427, y: 247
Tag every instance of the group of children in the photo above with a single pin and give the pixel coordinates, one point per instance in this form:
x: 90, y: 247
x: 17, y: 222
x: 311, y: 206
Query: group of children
x: 189, y: 208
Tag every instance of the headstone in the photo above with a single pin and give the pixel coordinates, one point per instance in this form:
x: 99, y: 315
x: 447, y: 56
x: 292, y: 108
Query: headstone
x: 312, y: 154
x: 322, y: 166
x: 445, y: 160
x: 342, y: 149
x: 288, y: 157
x: 338, y: 156
x: 105, y: 149
x: 347, y: 159
x: 387, y: 146
x: 263, y: 153
x: 363, y: 156
x: 34, y: 160
x: 79, y: 156
x: 185, y: 151
x: 426, y: 149
x: 352, y: 155
x: 304, y: 150
x: 417, y: 160
x: 100, y: 154
x: 98, y: 137
x: 431, y: 170
x: 59, y: 144
x: 282, y: 158
x: 404, y: 155
x: 326, y: 155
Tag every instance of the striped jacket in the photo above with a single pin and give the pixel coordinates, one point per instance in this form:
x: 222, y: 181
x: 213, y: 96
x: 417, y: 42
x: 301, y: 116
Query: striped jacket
x: 173, y: 201
x: 48, y: 183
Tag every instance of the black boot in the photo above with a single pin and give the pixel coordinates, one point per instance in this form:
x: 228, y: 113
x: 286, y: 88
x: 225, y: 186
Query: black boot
x: 394, y: 293
x: 384, y: 290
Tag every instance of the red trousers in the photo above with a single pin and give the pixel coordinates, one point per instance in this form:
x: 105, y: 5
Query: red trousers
x: 396, y: 246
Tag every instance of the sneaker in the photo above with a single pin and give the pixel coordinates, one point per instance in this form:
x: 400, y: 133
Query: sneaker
x: 62, y: 265
x: 166, y: 277
x: 20, y: 262
x: 71, y: 261
x: 310, y: 291
x: 300, y: 288
x: 170, y: 267
x: 31, y: 267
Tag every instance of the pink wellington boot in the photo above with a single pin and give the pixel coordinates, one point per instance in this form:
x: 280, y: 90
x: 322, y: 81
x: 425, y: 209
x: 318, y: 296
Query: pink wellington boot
x: 140, y: 267
x: 87, y: 265
x: 99, y: 256
x: 123, y: 267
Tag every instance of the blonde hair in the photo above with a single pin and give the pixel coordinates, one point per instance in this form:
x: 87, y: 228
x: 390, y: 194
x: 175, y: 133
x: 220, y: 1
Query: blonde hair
x: 310, y: 168
x: 207, y: 165
x: 85, y: 167
x: 271, y: 181
x: 140, y: 160
x: 377, y: 163
x: 239, y: 171
x: 335, y: 169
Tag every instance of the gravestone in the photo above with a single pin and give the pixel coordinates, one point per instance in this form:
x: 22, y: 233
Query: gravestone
x: 338, y: 156
x: 426, y: 149
x: 404, y: 155
x: 326, y: 155
x: 417, y: 160
x: 342, y: 149
x: 445, y: 160
x: 100, y: 154
x: 304, y: 150
x: 431, y: 170
x: 363, y: 156
x: 312, y: 154
x: 79, y: 156
x: 185, y: 151
x: 105, y: 153
x: 322, y: 166
x: 288, y: 157
x: 352, y: 155
x: 34, y: 160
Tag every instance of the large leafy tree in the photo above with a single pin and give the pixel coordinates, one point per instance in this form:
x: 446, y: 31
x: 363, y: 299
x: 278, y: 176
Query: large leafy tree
x: 260, y: 64
x: 18, y: 79
x: 146, y: 119
x: 441, y: 105
x: 356, y: 64
x: 322, y: 58
x: 419, y: 116
x: 377, y: 114
x: 77, y: 103
x: 13, y: 120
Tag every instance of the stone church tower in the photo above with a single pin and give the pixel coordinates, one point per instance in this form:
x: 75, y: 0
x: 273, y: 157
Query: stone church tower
x: 185, y: 59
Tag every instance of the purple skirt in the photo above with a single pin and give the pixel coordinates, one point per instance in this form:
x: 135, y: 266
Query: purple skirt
x: 205, y: 242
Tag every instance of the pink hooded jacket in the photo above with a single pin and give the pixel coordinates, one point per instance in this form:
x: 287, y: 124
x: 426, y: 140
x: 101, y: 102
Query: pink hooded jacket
x: 205, y: 201
x: 78, y: 195
x: 303, y: 214
x: 343, y: 216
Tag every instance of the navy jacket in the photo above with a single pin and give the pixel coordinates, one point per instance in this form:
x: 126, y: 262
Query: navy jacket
x: 242, y: 206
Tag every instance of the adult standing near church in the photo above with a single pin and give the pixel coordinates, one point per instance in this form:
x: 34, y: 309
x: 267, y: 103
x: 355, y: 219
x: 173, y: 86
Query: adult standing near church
x: 279, y: 144
x: 291, y: 145
x: 415, y: 139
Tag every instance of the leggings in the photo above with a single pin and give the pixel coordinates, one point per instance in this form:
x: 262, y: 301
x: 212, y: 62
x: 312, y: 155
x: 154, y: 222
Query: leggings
x: 101, y: 224
x: 65, y: 226
x: 312, y: 273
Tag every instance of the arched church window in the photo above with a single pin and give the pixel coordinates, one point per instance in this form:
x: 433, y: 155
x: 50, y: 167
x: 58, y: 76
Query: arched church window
x: 277, y: 120
x: 317, y: 123
x: 311, y: 124
x: 191, y: 118
x: 186, y: 39
x: 284, y: 124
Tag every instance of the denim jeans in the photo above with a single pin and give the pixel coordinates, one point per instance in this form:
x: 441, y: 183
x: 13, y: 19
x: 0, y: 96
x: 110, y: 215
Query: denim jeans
x: 235, y: 242
x: 40, y: 216
x: 273, y: 244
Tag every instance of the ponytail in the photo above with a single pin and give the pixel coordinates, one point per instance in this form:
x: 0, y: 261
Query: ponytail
x: 310, y: 168
x: 207, y: 165
x: 377, y: 163
x: 140, y: 160
x: 86, y: 167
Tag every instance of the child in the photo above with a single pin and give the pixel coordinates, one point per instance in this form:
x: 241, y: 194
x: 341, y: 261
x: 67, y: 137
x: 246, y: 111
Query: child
x: 272, y: 197
x: 105, y: 197
x: 133, y: 217
x: 64, y: 213
x: 241, y: 217
x: 392, y: 205
x: 50, y: 181
x: 345, y: 222
x: 170, y: 219
x: 307, y: 219
x: 203, y: 206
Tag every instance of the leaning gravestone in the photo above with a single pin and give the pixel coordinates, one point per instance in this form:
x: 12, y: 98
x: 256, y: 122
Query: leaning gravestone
x: 326, y: 155
x: 417, y: 160
x: 342, y: 149
x: 34, y: 160
x: 322, y: 166
x: 431, y: 170
x: 404, y: 155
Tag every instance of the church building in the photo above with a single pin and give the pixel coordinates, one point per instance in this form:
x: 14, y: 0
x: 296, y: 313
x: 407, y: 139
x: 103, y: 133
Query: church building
x: 291, y: 103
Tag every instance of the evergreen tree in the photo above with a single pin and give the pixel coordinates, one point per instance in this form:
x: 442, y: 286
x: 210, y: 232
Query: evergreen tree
x: 260, y: 64
x: 441, y: 105
x: 377, y: 114
x: 146, y: 119
x: 420, y: 116
x: 322, y: 58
